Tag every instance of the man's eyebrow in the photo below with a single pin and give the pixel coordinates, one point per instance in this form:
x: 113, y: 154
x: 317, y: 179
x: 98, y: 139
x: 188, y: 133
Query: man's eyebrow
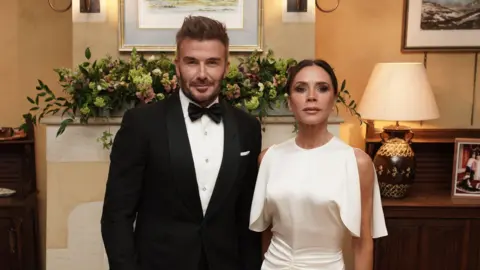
x: 188, y: 58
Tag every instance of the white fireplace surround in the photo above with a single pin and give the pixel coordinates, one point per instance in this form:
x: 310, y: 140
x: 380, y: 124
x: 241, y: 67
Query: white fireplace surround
x: 79, y: 144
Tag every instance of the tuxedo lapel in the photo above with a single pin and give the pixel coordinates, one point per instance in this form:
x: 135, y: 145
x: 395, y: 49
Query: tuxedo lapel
x: 182, y: 166
x: 230, y: 161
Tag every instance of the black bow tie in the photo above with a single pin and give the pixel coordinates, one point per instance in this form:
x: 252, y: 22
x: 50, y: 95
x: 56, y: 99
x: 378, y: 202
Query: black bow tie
x: 214, y: 112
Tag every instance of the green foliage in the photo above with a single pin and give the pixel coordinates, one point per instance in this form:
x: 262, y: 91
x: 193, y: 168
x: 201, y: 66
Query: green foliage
x: 105, y: 87
x: 346, y: 100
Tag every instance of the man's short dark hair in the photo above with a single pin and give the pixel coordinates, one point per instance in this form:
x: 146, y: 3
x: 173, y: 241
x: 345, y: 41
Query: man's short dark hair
x: 202, y: 28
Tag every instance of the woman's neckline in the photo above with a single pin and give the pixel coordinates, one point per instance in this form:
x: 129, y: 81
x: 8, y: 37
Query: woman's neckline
x: 314, y: 148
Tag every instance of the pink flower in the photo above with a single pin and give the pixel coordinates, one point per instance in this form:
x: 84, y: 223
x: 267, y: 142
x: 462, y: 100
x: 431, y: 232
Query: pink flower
x: 233, y: 91
x: 236, y: 92
x: 146, y: 96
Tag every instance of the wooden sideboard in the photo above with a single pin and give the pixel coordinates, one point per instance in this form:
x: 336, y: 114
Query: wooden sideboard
x: 429, y: 232
x: 19, y: 241
x: 427, y: 229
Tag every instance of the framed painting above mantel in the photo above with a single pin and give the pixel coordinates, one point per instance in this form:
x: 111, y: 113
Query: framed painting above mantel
x: 151, y: 25
x: 441, y: 26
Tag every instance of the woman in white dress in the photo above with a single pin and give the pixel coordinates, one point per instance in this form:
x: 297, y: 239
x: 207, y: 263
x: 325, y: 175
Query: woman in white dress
x: 314, y: 190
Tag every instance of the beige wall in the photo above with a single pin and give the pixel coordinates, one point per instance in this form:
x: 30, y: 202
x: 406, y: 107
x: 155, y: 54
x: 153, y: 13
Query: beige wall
x: 33, y: 40
x: 286, y: 39
x: 361, y: 33
x: 76, y: 180
x: 353, y: 38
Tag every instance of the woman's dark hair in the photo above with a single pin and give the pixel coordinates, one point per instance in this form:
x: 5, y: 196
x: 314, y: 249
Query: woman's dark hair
x: 293, y: 71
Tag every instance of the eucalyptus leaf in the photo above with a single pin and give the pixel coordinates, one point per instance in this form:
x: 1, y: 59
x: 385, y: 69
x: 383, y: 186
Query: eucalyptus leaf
x: 88, y: 54
x: 83, y: 70
x: 63, y: 126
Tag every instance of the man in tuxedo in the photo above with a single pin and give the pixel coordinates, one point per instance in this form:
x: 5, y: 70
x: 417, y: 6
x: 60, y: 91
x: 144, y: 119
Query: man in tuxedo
x: 184, y: 169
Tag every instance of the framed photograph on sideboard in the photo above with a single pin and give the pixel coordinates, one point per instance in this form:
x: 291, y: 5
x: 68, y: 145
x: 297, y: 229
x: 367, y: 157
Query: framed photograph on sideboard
x: 466, y: 169
x: 151, y: 25
x: 441, y: 26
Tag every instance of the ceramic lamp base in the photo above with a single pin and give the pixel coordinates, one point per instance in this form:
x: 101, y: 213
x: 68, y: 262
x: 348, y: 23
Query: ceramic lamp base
x: 395, y: 162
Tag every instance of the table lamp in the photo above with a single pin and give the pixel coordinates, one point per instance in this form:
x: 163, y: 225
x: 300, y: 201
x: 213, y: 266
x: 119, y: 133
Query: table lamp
x: 397, y: 92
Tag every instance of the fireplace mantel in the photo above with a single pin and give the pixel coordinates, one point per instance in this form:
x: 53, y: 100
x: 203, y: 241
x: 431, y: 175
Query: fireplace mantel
x: 79, y: 141
x: 77, y: 168
x: 56, y: 120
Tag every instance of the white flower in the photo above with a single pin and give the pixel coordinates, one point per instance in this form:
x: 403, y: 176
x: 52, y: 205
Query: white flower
x: 157, y: 72
x: 261, y: 86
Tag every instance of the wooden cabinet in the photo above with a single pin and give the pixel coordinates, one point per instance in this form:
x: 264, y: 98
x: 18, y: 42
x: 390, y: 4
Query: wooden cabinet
x: 429, y: 232
x: 7, y: 254
x: 19, y: 240
x: 19, y: 234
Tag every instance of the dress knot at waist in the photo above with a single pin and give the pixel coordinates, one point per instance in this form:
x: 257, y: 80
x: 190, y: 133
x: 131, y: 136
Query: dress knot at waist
x: 281, y: 256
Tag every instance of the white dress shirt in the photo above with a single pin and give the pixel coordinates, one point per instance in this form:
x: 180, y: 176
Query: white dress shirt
x: 206, y: 144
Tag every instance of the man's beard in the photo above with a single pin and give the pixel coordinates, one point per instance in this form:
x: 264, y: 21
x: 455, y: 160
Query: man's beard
x: 188, y: 93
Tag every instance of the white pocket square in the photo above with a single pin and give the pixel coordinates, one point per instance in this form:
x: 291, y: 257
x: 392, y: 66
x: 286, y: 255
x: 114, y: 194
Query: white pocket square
x: 242, y: 154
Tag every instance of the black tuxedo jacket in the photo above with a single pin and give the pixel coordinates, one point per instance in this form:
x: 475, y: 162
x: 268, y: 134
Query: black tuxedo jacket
x: 152, y: 180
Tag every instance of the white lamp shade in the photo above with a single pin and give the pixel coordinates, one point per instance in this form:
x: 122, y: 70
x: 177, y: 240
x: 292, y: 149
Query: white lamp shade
x: 398, y: 92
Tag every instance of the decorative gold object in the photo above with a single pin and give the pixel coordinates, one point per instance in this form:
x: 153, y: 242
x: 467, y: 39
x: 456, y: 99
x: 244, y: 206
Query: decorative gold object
x: 60, y: 9
x: 326, y: 10
x: 9, y: 133
x: 6, y: 132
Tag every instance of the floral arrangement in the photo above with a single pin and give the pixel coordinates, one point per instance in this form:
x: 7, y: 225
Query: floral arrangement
x: 106, y: 87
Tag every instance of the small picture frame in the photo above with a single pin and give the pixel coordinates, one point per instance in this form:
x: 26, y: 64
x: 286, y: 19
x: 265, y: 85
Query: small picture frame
x: 466, y: 169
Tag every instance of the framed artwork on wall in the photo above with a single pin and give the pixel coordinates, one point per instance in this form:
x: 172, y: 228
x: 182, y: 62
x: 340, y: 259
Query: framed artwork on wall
x: 151, y: 25
x: 441, y: 25
x: 466, y: 169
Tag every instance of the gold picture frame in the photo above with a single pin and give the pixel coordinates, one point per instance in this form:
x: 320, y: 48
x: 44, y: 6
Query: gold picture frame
x: 127, y: 40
